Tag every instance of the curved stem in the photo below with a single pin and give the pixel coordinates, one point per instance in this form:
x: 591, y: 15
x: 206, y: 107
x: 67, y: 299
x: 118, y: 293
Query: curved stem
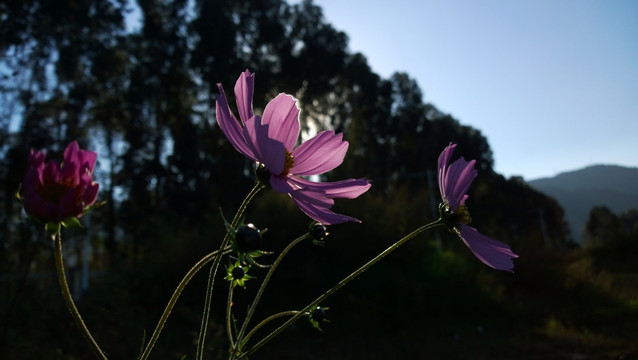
x: 253, y: 306
x: 338, y: 286
x: 66, y: 293
x: 229, y: 315
x: 213, y: 272
x: 267, y: 320
x: 176, y: 294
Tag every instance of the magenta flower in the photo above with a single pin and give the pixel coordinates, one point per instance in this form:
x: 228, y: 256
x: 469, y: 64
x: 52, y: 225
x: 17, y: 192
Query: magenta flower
x: 270, y: 141
x: 53, y: 192
x: 454, y: 182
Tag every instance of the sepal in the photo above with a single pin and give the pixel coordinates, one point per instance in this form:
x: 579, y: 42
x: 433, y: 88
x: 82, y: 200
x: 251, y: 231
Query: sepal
x: 316, y: 316
x: 237, y: 274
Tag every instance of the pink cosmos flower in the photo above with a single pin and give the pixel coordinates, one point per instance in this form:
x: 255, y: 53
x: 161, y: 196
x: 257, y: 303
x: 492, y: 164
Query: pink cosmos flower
x: 55, y: 191
x: 454, y: 182
x: 270, y: 140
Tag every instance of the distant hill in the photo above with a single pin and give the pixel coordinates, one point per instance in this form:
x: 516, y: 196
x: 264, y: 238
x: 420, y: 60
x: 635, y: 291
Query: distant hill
x: 615, y: 187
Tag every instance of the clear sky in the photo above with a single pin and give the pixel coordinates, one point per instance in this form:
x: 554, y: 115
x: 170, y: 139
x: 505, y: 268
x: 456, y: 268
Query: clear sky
x: 552, y: 84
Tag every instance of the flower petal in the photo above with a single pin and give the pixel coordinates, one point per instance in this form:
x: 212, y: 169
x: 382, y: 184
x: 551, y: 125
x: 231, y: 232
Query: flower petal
x: 458, y: 180
x: 230, y: 126
x: 71, y: 152
x: 84, y: 159
x: 69, y: 204
x: 36, y: 206
x: 244, y: 95
x: 317, y: 206
x: 267, y: 151
x: 282, y: 114
x: 324, y: 152
x: 90, y: 194
x: 280, y: 184
x: 345, y: 189
x: 491, y: 252
x: 444, y: 161
x: 454, y: 179
x: 36, y: 159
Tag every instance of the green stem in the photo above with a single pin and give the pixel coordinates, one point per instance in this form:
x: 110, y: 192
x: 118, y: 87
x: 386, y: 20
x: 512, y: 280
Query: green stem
x: 229, y: 306
x: 253, y: 306
x: 267, y: 320
x: 66, y: 293
x: 338, y: 286
x: 176, y: 294
x: 213, y: 272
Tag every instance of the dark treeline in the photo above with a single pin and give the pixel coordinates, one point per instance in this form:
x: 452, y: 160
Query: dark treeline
x: 144, y: 99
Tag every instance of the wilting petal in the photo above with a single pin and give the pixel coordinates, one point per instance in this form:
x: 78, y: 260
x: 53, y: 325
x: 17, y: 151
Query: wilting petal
x: 244, y: 95
x: 317, y: 206
x: 32, y: 179
x: 491, y: 252
x: 322, y: 153
x: 345, y: 189
x: 282, y: 114
x: 90, y: 194
x: 55, y: 191
x: 36, y: 206
x: 51, y: 172
x: 88, y: 159
x: 71, y: 152
x: 69, y: 204
x: 85, y: 159
x: 70, y: 173
x: 36, y: 158
x: 267, y: 151
x: 230, y: 126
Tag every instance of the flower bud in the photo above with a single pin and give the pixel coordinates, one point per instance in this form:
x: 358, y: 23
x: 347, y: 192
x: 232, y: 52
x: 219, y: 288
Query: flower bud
x: 263, y: 174
x: 248, y: 238
x: 318, y: 314
x: 318, y: 231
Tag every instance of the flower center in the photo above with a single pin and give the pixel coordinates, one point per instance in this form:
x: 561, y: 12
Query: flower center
x: 462, y: 215
x: 288, y: 163
x: 53, y: 191
x: 453, y: 219
x: 238, y: 273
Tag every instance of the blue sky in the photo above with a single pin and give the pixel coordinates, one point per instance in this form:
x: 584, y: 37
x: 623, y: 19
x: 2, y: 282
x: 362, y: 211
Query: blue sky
x: 552, y: 84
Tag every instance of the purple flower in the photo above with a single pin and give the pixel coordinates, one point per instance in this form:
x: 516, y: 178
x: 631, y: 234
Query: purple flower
x: 55, y: 191
x: 454, y: 182
x: 270, y: 140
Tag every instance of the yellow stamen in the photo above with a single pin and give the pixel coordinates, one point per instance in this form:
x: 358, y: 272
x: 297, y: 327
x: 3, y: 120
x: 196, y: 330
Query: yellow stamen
x: 463, y: 215
x: 288, y: 164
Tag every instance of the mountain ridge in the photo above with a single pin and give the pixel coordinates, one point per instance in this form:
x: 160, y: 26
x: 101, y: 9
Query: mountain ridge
x: 577, y: 191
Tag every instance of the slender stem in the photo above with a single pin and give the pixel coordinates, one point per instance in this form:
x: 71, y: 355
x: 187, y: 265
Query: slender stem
x: 176, y: 294
x: 66, y: 293
x: 213, y: 272
x: 260, y: 292
x: 338, y: 286
x: 229, y: 315
x: 267, y: 320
